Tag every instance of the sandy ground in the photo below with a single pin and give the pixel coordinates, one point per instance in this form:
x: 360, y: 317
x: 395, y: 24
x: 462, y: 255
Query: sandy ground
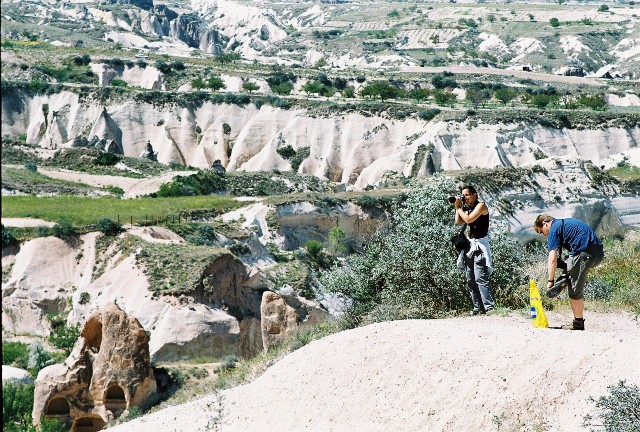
x: 26, y: 222
x: 461, y: 374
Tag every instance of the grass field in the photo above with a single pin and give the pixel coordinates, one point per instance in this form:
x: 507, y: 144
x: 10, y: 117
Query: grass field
x: 625, y: 172
x: 86, y: 211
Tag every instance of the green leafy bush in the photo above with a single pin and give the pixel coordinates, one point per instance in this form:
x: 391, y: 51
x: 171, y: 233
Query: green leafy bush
x: 239, y: 248
x: 38, y: 358
x: 8, y: 238
x: 365, y: 201
x: 15, y: 354
x: 337, y: 238
x: 85, y: 298
x: 107, y: 159
x: 109, y: 227
x: 428, y: 114
x: 410, y: 270
x: 618, y: 412
x: 201, y: 183
x: 63, y: 230
x: 17, y: 404
x: 314, y: 247
x: 205, y: 235
x: 63, y: 336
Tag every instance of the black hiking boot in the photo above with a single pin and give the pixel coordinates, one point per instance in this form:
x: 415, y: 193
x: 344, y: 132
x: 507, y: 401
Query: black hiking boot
x: 562, y: 282
x: 577, y: 324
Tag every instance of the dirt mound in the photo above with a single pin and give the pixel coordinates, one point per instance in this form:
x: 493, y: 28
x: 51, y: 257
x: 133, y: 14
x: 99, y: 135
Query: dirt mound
x: 473, y: 374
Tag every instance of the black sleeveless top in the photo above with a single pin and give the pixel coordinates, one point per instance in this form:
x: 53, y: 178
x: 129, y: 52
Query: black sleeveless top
x: 480, y: 227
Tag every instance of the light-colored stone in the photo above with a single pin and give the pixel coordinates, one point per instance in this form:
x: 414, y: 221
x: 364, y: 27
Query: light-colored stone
x: 47, y: 279
x: 22, y: 317
x: 278, y: 319
x: 281, y: 315
x: 15, y: 375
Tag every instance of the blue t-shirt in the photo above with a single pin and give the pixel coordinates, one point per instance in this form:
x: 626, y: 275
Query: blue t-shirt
x: 577, y: 235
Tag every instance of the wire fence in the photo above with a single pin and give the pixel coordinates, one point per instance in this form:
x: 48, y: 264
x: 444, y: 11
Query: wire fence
x: 155, y: 220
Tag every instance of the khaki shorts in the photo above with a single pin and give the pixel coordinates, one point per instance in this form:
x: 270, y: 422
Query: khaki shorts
x: 579, y: 265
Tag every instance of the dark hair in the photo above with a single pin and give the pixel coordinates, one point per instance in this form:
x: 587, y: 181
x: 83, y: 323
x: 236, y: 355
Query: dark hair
x: 470, y: 188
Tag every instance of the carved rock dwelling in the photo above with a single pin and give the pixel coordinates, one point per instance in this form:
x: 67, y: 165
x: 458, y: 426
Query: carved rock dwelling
x: 107, y: 373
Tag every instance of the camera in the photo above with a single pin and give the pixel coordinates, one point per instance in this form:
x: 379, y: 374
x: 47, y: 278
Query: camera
x: 452, y: 199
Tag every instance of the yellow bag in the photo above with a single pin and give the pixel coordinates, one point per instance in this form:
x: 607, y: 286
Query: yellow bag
x: 538, y: 318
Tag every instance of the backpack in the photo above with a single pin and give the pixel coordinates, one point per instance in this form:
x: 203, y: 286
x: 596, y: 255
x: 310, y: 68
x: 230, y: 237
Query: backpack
x: 460, y: 241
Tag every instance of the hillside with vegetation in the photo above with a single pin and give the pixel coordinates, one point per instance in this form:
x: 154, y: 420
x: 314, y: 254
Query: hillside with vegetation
x: 189, y: 160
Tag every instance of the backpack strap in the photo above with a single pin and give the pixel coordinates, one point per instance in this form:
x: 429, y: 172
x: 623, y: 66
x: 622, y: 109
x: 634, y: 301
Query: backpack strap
x: 561, y: 238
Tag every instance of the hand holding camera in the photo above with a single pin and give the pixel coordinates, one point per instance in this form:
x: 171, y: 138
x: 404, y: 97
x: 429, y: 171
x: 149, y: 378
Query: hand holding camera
x: 453, y: 198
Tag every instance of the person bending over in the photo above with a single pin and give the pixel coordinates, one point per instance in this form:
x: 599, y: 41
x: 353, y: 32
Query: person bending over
x: 585, y: 252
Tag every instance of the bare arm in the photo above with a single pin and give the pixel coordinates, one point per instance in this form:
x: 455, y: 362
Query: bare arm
x: 462, y: 217
x: 552, y: 265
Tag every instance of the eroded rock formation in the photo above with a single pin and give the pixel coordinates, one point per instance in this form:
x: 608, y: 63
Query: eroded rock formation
x: 285, y: 312
x: 107, y: 373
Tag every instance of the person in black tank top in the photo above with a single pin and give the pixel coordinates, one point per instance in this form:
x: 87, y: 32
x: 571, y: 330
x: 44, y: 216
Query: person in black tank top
x: 480, y: 227
x: 477, y: 259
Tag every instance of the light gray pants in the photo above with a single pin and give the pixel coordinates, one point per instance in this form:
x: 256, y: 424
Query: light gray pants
x: 478, y: 282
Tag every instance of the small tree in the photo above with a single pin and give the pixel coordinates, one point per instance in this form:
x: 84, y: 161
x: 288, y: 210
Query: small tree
x: 410, y: 268
x: 477, y: 96
x: 215, y: 83
x: 312, y: 87
x: 384, y: 89
x: 250, y: 86
x: 337, y: 241
x: 542, y: 100
x: 554, y: 22
x: 283, y: 88
x: 444, y: 98
x: 349, y: 92
x: 505, y: 95
x: 418, y: 94
x: 198, y: 84
x: 117, y: 82
x: 314, y: 247
x: 64, y: 336
x: 107, y: 159
x: 38, y: 358
x: 603, y: 8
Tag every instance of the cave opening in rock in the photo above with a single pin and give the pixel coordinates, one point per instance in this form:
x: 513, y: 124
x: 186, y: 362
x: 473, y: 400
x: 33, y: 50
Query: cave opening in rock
x: 114, y: 398
x: 58, y: 406
x: 88, y: 424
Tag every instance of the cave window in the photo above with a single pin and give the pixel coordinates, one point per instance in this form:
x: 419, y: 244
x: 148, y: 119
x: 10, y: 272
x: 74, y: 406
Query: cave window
x: 88, y: 424
x: 114, y: 398
x: 58, y: 406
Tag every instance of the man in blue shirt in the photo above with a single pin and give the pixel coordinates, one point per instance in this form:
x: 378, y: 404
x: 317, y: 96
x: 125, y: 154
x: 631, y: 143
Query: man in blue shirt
x: 585, y: 252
